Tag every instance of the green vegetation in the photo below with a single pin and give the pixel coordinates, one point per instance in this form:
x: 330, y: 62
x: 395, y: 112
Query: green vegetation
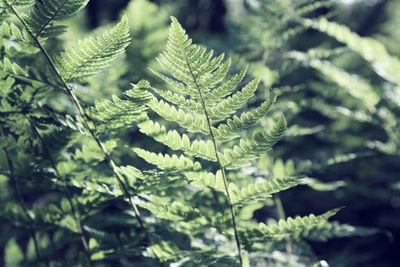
x: 133, y: 146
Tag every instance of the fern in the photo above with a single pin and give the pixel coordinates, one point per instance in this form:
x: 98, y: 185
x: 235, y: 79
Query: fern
x: 290, y: 225
x: 371, y: 50
x: 92, y: 55
x: 42, y: 16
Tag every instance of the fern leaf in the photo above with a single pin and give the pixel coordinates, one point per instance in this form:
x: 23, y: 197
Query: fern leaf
x: 176, y: 141
x: 166, y: 162
x: 117, y: 112
x: 249, y: 149
x: 230, y: 129
x: 388, y: 67
x: 42, y: 16
x: 192, y: 122
x: 327, y: 230
x: 288, y: 226
x: 12, y: 32
x: 230, y: 105
x: 20, y: 2
x: 180, y: 100
x: 356, y: 86
x: 190, y: 64
x: 261, y: 190
x: 225, y: 88
x: 11, y: 67
x: 93, y: 54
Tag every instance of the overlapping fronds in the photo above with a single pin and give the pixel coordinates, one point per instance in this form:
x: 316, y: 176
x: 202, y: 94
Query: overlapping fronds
x: 118, y: 112
x: 385, y: 65
x: 93, y: 54
x: 201, y: 96
x: 284, y: 227
x: 42, y: 16
x: 355, y: 85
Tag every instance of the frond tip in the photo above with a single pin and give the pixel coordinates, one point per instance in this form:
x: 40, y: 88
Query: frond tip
x: 93, y: 54
x: 262, y: 190
x: 288, y: 226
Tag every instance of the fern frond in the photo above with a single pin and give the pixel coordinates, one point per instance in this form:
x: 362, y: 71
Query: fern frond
x: 176, y: 141
x: 249, y: 149
x: 261, y: 190
x: 225, y: 88
x: 190, y: 64
x: 166, y: 162
x: 93, y: 54
x: 230, y: 129
x: 192, y: 122
x: 327, y: 230
x: 356, y: 86
x: 117, y: 112
x: 288, y: 226
x: 20, y: 2
x: 12, y: 32
x: 42, y: 16
x: 180, y: 100
x: 385, y: 65
x: 230, y: 105
x: 11, y: 67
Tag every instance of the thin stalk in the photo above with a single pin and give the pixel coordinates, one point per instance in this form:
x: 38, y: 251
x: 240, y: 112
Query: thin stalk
x: 22, y: 202
x: 281, y: 211
x: 85, y: 120
x: 233, y: 216
x: 66, y: 191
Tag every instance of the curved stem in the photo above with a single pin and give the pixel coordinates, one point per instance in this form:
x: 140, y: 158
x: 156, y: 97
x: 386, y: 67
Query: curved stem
x: 85, y: 120
x: 222, y: 169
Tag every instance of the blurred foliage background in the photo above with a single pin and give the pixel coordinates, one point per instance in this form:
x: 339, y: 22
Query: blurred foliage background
x: 345, y: 142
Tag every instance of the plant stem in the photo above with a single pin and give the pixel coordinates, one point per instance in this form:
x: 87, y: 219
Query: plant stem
x: 22, y: 202
x: 281, y: 210
x: 85, y: 120
x: 66, y: 191
x: 222, y: 169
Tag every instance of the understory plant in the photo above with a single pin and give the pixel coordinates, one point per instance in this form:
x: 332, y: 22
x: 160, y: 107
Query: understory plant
x: 78, y: 194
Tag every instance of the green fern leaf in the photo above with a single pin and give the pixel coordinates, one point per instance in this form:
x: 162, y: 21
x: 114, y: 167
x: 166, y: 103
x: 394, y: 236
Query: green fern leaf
x: 284, y: 227
x: 42, y: 16
x: 356, y: 86
x: 93, y: 54
x: 261, y: 190
x: 118, y: 113
x: 249, y: 149
x: 20, y: 2
x: 180, y: 100
x: 225, y: 88
x: 230, y: 105
x: 190, y: 64
x: 192, y: 122
x: 229, y: 130
x: 388, y: 67
x: 166, y: 162
x: 176, y: 141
